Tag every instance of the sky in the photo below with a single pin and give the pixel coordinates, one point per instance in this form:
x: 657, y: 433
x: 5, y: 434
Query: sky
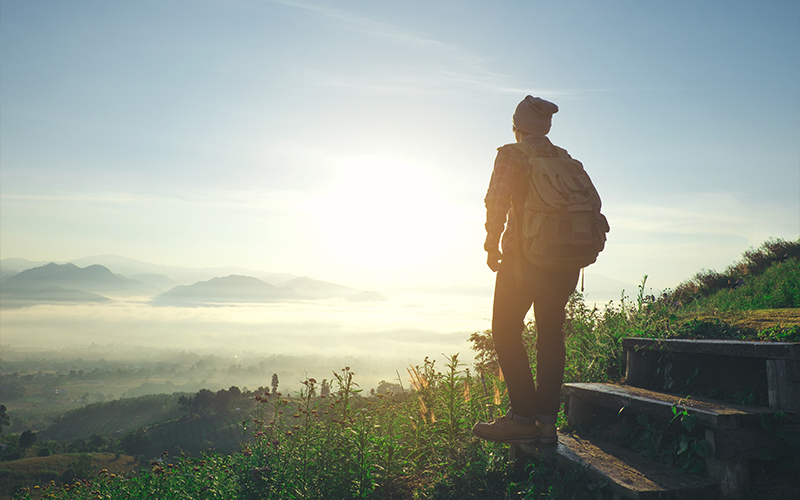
x: 353, y: 141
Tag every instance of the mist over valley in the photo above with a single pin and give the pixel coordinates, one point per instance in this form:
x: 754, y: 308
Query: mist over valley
x: 247, y: 324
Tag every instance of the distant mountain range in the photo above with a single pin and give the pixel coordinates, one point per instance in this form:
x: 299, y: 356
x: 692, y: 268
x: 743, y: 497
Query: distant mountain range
x: 226, y: 290
x: 62, y: 280
x: 69, y: 283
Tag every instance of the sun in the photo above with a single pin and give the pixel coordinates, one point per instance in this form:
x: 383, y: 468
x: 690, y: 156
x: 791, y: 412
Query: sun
x: 383, y: 214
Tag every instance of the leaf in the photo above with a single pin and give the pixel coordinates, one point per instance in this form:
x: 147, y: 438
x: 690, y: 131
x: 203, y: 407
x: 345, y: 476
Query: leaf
x: 688, y: 421
x: 702, y: 447
x: 684, y: 445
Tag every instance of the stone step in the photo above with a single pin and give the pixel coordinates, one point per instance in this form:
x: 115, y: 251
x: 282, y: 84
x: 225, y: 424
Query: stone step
x: 738, y: 348
x: 628, y: 475
x: 769, y: 372
x: 710, y: 414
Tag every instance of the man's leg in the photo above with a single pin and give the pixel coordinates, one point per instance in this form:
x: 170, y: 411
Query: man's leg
x: 511, y: 304
x: 512, y: 301
x: 551, y: 294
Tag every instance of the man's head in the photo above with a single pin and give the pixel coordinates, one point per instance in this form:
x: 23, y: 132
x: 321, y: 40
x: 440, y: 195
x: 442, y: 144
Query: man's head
x: 534, y: 115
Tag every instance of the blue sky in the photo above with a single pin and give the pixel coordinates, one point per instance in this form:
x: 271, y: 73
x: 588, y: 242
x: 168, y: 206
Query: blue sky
x: 353, y: 141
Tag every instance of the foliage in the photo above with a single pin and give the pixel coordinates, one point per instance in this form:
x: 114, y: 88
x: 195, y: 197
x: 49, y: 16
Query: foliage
x: 393, y: 445
x: 765, y: 277
x: 5, y: 420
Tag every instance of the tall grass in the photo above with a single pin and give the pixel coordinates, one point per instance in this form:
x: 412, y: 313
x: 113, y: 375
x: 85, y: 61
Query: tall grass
x: 414, y: 444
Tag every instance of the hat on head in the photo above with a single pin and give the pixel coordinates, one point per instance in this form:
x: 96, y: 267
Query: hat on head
x: 534, y: 115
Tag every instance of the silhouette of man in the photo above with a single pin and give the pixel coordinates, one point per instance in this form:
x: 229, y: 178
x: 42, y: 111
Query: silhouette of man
x: 520, y: 283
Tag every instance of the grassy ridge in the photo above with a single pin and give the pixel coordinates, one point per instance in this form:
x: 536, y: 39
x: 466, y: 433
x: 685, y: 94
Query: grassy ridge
x: 111, y: 417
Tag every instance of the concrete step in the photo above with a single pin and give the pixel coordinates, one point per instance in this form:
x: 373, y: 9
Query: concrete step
x: 736, y: 348
x: 710, y: 414
x: 627, y: 474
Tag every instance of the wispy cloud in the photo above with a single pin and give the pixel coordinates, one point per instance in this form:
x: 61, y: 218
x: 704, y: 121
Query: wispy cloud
x: 372, y: 27
x: 711, y: 213
x: 261, y: 201
x: 442, y: 67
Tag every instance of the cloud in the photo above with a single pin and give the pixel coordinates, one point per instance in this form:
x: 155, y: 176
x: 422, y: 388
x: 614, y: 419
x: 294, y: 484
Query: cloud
x: 706, y: 214
x: 259, y: 201
x: 438, y: 67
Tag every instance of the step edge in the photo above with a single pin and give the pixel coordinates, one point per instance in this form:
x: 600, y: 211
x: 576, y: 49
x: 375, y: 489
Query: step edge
x: 566, y: 452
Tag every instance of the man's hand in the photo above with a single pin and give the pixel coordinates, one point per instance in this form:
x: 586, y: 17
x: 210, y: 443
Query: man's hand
x: 494, y: 259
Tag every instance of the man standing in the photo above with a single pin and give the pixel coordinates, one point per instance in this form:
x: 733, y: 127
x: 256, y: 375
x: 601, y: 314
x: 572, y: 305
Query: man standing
x: 536, y: 187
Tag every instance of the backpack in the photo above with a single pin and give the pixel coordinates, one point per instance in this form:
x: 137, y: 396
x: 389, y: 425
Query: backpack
x: 561, y: 225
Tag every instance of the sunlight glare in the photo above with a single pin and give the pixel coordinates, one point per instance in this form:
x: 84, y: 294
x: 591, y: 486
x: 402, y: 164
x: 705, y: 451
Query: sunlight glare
x: 383, y: 214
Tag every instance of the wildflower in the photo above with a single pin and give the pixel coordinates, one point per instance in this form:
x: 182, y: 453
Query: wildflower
x: 275, y: 443
x: 296, y: 415
x: 289, y: 433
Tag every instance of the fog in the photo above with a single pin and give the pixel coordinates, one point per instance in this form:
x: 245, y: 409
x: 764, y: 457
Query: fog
x: 309, y: 338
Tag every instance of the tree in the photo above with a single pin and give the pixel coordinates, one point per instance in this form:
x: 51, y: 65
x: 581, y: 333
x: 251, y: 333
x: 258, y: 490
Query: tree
x: 5, y: 420
x: 136, y: 442
x: 274, y: 383
x: 26, y: 439
x: 325, y: 388
x: 203, y: 401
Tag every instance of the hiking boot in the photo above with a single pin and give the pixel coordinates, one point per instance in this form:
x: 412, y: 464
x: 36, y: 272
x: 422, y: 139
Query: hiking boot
x: 547, y: 433
x: 505, y: 430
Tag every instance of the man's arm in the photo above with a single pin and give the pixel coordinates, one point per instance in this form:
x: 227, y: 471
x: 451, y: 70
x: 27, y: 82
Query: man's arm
x: 498, y: 203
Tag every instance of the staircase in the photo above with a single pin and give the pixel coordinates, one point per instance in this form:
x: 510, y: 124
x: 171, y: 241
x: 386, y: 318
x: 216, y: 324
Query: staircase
x: 689, y: 383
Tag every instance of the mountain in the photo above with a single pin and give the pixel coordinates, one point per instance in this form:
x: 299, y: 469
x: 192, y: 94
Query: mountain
x: 182, y: 275
x: 230, y: 289
x: 95, y: 279
x: 11, y: 266
x: 319, y: 289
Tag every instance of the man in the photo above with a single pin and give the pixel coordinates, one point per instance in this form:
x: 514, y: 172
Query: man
x: 523, y: 281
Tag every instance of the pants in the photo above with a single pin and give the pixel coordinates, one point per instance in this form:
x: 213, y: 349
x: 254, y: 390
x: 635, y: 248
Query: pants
x: 519, y: 285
